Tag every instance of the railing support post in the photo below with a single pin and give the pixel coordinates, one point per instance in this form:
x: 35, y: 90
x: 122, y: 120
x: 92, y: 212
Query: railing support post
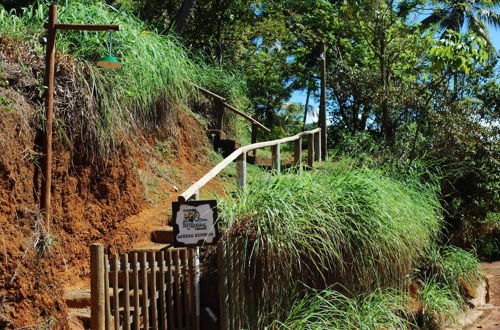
x: 317, y: 147
x: 254, y: 140
x: 297, y: 156
x: 97, y: 310
x: 241, y: 169
x: 310, y: 150
x: 276, y: 158
x: 219, y: 108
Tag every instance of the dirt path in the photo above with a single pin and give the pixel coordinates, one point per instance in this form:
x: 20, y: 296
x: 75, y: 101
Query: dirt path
x: 490, y: 313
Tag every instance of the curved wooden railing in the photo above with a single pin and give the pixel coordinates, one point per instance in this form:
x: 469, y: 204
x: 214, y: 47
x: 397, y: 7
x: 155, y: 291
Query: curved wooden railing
x: 240, y: 155
x: 221, y: 104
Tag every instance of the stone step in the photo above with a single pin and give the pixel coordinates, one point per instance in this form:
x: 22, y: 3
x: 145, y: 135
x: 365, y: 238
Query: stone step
x: 163, y: 235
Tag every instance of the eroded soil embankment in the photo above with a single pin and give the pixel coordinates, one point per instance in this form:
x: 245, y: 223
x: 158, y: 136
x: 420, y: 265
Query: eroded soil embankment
x: 90, y: 204
x: 490, y: 313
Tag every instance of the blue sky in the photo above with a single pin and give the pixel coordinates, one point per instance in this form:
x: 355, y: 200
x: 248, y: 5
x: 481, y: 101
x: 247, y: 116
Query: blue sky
x: 300, y: 96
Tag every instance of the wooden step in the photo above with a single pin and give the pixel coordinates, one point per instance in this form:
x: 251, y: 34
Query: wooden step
x: 81, y: 315
x: 163, y: 235
x: 77, y: 299
x: 151, y: 247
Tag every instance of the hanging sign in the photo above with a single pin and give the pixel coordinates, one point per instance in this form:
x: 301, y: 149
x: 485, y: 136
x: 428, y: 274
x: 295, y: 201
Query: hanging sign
x: 194, y: 223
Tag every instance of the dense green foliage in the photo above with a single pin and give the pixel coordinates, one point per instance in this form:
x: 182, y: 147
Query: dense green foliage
x: 156, y: 79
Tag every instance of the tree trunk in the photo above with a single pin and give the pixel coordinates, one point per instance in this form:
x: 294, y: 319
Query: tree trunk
x: 183, y: 15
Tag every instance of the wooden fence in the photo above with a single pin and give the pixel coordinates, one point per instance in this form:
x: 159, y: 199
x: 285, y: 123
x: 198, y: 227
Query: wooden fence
x: 157, y: 289
x: 143, y: 290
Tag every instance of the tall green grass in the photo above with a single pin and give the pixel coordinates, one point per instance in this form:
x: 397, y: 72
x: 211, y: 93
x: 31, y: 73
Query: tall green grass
x: 156, y: 79
x: 357, y: 228
x: 329, y: 309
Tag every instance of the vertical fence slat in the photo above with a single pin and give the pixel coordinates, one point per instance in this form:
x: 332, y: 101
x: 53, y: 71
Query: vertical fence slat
x: 236, y: 301
x: 310, y: 150
x: 116, y: 295
x: 221, y: 273
x: 185, y: 289
x: 231, y: 283
x: 126, y: 292
x: 144, y: 280
x: 178, y: 300
x: 170, y: 294
x: 241, y: 284
x: 97, y: 287
x: 163, y: 288
x: 107, y: 297
x: 135, y: 274
x: 194, y: 278
x: 153, y: 297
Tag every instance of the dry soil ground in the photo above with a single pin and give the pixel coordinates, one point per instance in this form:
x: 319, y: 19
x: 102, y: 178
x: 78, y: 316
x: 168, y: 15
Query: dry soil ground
x: 490, y: 313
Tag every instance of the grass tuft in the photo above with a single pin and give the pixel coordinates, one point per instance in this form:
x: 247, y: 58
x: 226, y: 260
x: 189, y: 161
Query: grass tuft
x: 357, y: 228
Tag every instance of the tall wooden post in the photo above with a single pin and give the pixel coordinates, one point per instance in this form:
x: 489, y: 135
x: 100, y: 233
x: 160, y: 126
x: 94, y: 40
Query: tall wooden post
x: 254, y: 140
x: 219, y: 108
x: 241, y: 169
x: 276, y: 158
x: 310, y: 150
x: 50, y: 59
x: 297, y: 156
x: 317, y: 147
x: 322, y: 106
x: 97, y: 308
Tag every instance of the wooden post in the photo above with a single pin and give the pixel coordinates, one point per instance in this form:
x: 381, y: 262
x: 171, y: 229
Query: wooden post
x: 254, y: 140
x: 241, y: 168
x: 298, y: 154
x: 322, y: 106
x: 219, y: 109
x: 276, y: 158
x: 97, y: 308
x: 197, y: 274
x: 310, y: 150
x: 317, y: 147
x: 50, y: 59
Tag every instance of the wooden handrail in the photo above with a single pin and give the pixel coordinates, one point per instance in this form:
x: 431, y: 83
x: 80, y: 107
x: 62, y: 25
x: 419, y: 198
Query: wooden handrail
x: 191, y: 191
x: 233, y: 109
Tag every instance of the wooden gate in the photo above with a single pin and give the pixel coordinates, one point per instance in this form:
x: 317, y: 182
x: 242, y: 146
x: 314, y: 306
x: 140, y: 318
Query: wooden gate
x: 236, y: 295
x: 144, y: 290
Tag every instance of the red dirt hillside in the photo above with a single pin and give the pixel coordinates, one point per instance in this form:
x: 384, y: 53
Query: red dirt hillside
x: 94, y: 199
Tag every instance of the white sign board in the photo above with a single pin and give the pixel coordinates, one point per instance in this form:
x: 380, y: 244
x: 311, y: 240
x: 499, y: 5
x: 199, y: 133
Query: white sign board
x: 194, y: 223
